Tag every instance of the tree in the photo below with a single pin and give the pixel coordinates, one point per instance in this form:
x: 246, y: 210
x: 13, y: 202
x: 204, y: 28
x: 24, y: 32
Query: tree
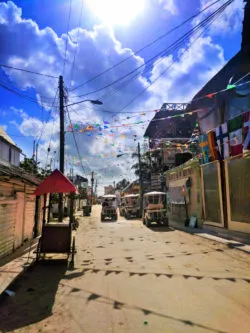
x: 122, y: 184
x: 30, y: 166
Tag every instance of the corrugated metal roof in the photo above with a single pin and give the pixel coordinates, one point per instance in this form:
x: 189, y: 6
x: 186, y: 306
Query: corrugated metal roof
x: 5, y: 136
x: 6, y: 169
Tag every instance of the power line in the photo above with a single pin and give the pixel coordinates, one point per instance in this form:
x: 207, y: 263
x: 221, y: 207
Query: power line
x: 28, y: 71
x: 67, y: 41
x: 146, y: 46
x: 77, y: 37
x: 77, y: 148
x: 9, y: 83
x: 164, y: 71
x: 164, y: 53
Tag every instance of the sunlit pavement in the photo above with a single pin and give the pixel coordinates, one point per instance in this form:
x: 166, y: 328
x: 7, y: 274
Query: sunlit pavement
x: 128, y: 278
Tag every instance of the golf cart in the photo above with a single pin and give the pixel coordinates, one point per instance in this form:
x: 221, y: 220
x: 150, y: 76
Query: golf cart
x: 155, y: 208
x: 122, y: 206
x: 109, y: 207
x: 132, y: 206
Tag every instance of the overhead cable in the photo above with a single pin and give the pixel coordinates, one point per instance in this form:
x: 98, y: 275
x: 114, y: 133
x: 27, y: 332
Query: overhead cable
x: 163, y: 53
x: 28, y: 71
x: 146, y: 46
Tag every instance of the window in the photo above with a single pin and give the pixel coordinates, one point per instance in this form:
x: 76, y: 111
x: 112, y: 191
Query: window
x: 10, y: 154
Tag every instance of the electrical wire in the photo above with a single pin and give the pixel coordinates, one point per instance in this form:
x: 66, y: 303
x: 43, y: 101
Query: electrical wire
x: 146, y: 46
x: 77, y: 37
x: 27, y: 71
x: 49, y: 114
x: 77, y: 148
x: 165, y: 70
x: 163, y: 53
x: 67, y: 41
x: 129, y: 81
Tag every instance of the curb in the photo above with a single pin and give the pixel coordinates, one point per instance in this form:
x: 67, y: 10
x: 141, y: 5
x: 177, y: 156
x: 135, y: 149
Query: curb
x: 229, y: 240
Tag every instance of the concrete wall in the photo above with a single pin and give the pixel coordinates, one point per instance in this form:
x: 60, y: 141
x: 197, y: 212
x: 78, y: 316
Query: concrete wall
x: 176, y: 178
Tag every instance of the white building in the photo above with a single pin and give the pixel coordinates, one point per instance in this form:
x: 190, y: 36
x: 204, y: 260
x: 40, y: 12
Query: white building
x: 9, y: 152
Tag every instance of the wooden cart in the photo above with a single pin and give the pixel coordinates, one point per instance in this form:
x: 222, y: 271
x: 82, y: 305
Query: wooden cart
x: 56, y: 237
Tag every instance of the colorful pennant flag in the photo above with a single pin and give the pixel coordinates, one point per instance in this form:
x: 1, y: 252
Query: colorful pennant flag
x: 204, y: 148
x: 212, y: 145
x: 222, y: 140
x: 235, y: 135
x: 246, y: 131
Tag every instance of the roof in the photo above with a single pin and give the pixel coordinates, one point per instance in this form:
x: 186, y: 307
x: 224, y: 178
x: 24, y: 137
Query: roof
x: 9, y: 170
x: 174, y: 128
x: 6, y: 138
x: 154, y: 193
x: 233, y: 71
x: 55, y: 183
x: 131, y: 196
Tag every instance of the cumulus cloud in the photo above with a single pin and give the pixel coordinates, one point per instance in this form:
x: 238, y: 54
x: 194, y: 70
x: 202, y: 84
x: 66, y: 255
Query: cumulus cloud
x: 42, y: 50
x: 169, y: 5
x: 229, y: 21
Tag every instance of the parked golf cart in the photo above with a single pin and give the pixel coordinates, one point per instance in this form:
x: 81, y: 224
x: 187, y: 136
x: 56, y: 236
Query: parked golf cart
x: 155, y: 208
x: 132, y: 206
x: 122, y: 206
x: 109, y: 208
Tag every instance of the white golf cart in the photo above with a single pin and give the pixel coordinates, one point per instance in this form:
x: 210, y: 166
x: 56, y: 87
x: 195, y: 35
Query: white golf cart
x: 109, y: 207
x: 155, y: 208
x: 132, y: 206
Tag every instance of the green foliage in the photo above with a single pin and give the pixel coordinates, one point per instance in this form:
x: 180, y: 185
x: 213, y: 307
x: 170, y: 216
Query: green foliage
x: 122, y: 184
x: 30, y: 166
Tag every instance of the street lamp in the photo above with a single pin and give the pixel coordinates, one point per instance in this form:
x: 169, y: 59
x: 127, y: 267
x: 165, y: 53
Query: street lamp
x: 93, y: 101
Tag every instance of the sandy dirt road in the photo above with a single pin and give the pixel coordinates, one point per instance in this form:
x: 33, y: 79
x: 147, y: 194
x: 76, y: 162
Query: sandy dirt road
x: 128, y: 278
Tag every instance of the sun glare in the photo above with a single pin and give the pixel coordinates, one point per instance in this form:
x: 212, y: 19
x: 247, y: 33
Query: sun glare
x: 116, y: 12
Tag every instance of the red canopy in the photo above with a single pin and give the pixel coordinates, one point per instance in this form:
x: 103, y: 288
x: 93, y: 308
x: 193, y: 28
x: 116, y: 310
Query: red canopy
x: 55, y: 183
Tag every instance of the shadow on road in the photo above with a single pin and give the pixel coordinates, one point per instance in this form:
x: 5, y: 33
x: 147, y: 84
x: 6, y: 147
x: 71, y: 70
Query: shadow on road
x: 158, y: 228
x: 34, y: 296
x: 118, y: 305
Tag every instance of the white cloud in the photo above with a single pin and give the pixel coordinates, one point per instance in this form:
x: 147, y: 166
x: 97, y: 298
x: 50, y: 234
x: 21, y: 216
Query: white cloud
x: 169, y: 5
x: 229, y: 21
x: 41, y: 50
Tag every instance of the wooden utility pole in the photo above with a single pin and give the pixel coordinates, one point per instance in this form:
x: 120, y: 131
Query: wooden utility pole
x: 92, y: 187
x: 61, y: 100
x: 140, y: 178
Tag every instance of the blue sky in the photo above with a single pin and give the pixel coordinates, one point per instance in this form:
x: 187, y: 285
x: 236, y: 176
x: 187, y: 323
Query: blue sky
x: 33, y: 35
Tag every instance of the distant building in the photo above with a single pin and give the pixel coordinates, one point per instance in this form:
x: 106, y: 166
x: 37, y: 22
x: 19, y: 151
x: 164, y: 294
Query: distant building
x: 9, y: 152
x: 109, y: 190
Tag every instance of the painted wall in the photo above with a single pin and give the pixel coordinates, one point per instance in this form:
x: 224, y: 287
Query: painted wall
x: 17, y: 214
x: 176, y: 179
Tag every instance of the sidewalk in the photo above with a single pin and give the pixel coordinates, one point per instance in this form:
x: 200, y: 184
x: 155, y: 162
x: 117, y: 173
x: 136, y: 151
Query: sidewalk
x: 15, y: 264
x: 232, y: 239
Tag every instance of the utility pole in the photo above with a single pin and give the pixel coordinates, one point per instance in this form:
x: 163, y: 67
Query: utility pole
x: 37, y: 152
x: 96, y: 187
x: 61, y: 100
x: 34, y: 149
x: 140, y: 178
x: 92, y: 187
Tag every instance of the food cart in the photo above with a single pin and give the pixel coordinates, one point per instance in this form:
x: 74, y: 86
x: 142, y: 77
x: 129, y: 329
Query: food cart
x: 56, y: 237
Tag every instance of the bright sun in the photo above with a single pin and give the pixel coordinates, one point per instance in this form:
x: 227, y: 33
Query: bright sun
x: 116, y: 12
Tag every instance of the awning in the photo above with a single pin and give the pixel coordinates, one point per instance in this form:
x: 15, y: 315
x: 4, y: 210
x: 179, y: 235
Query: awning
x: 55, y: 183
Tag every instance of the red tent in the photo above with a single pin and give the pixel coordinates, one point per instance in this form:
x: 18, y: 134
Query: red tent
x: 55, y: 183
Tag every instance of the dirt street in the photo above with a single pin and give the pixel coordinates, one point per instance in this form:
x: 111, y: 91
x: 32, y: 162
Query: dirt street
x: 130, y: 279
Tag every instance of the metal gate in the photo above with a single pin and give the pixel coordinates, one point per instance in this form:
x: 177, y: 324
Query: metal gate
x: 212, y: 194
x: 7, y: 226
x: 237, y: 170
